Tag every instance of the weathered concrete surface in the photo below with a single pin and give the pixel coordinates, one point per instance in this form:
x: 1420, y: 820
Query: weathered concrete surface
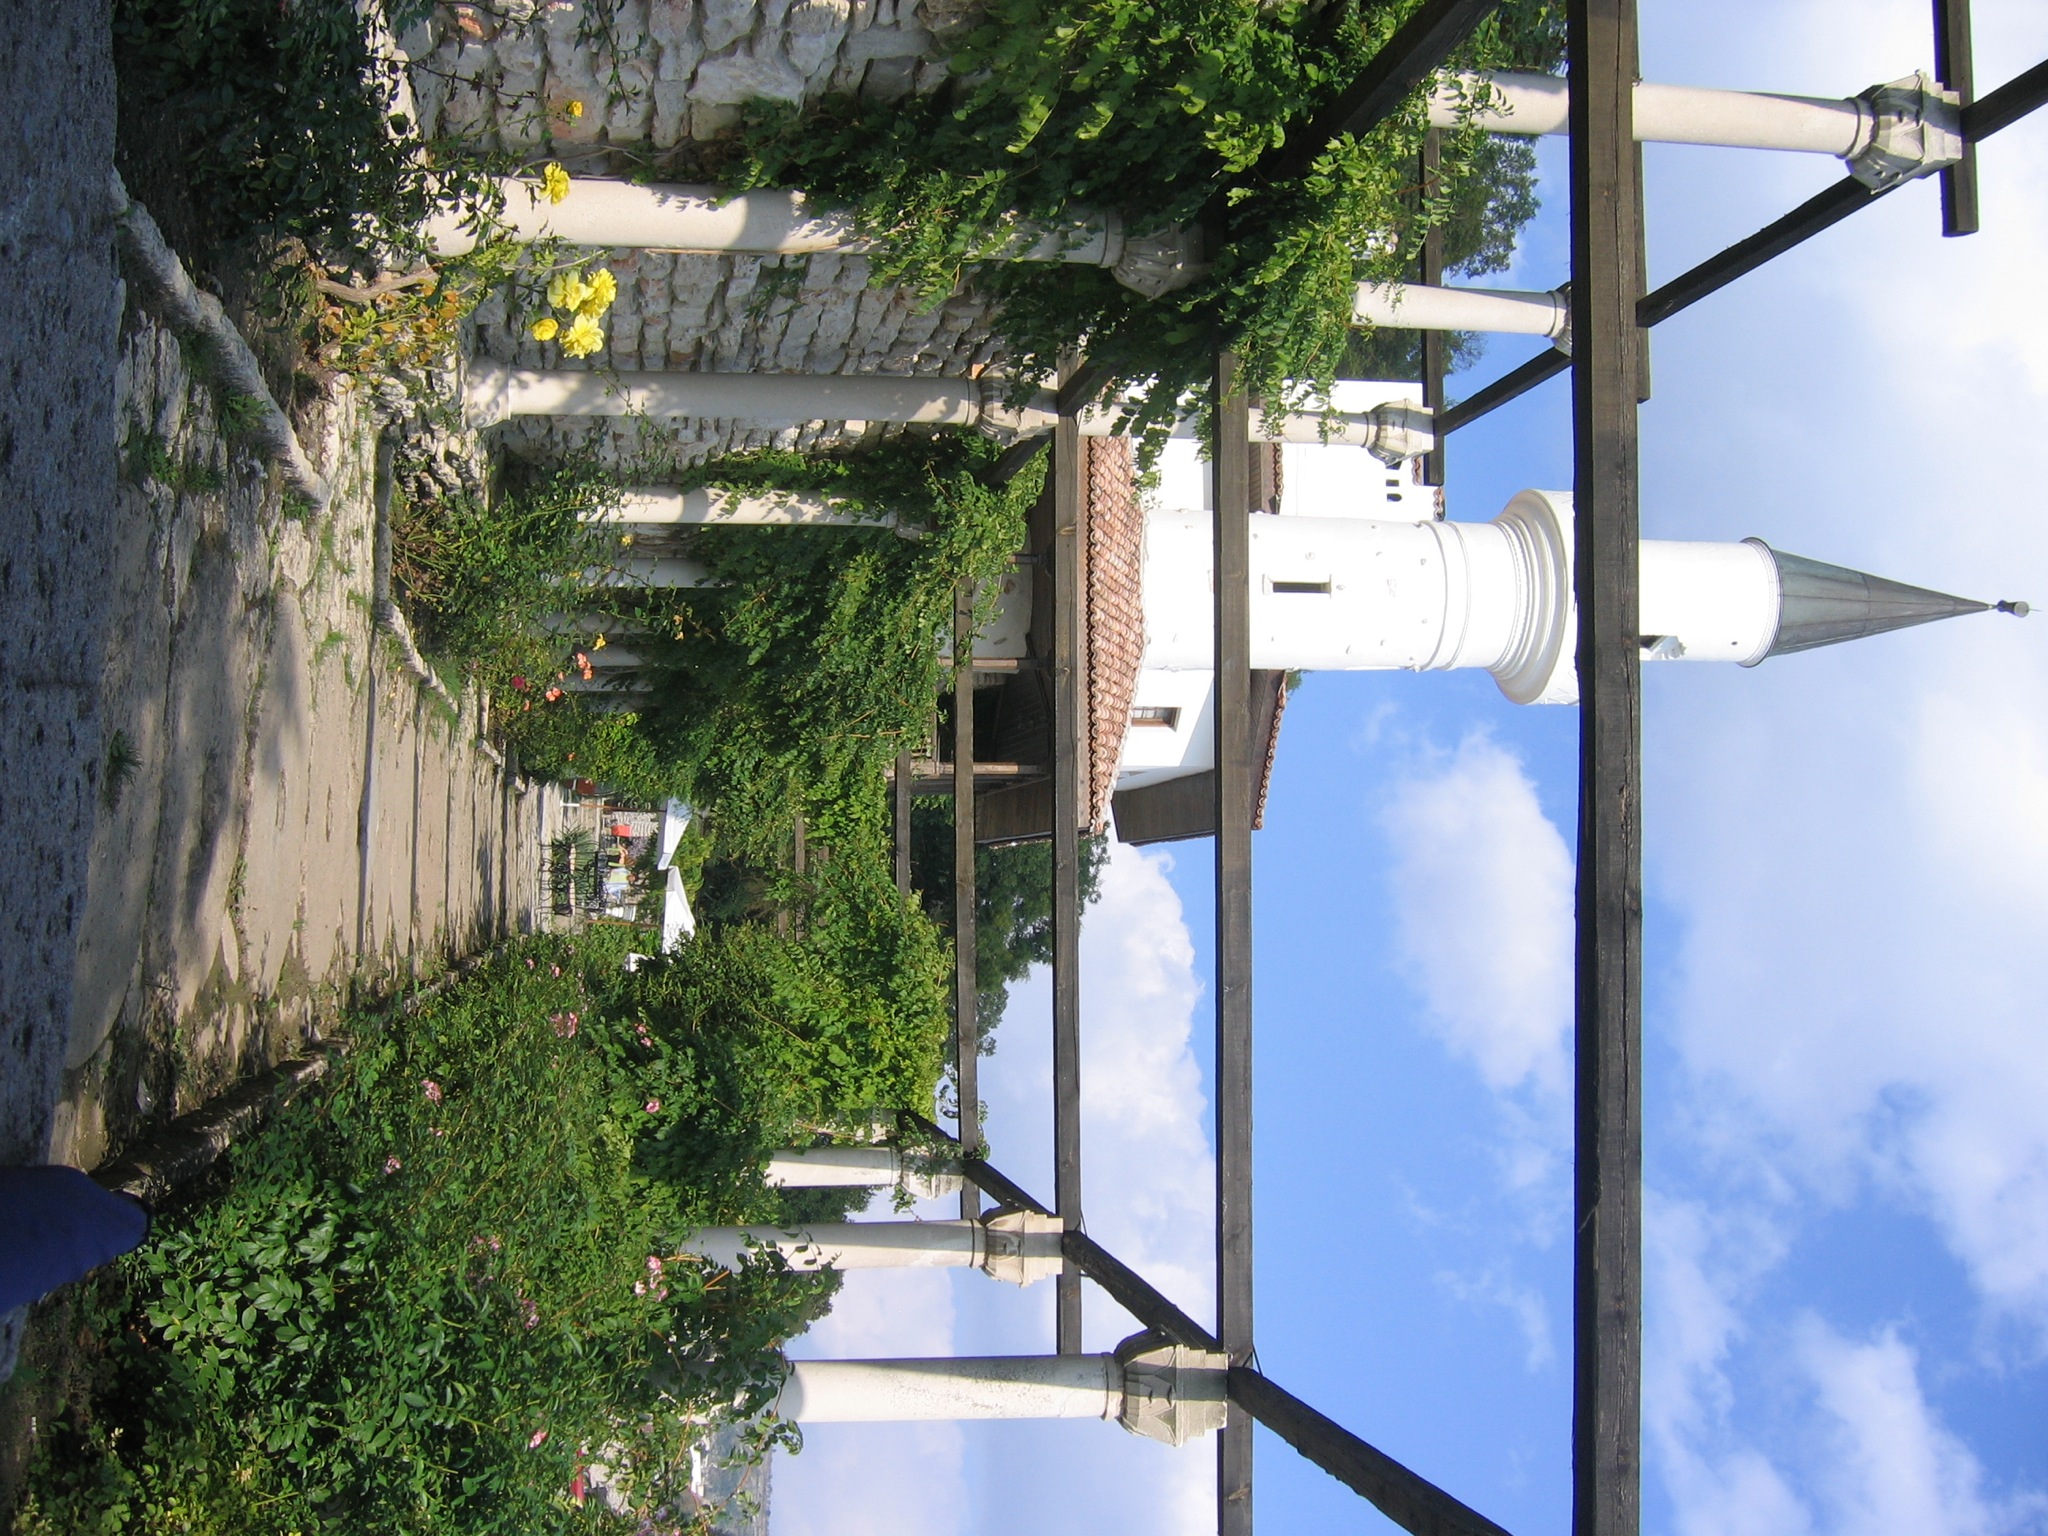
x: 233, y: 899
x: 56, y: 508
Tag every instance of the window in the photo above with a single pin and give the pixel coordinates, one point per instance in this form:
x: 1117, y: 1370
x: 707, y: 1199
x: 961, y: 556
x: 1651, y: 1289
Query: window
x: 1322, y: 587
x: 1163, y: 715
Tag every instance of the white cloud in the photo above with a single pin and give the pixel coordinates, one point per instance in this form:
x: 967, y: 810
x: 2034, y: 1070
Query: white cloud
x: 876, y: 1479
x: 1892, y: 1468
x: 1521, y: 1302
x: 1483, y: 895
x: 1149, y: 1181
x: 1862, y: 1452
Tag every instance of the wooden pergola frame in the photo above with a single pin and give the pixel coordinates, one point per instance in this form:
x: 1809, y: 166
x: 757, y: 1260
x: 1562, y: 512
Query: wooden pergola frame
x: 1610, y: 315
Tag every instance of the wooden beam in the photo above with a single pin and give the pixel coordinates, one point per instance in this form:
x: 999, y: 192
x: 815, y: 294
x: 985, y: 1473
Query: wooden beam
x: 966, y: 1034
x: 1408, y: 1499
x: 1433, y: 277
x: 984, y: 770
x: 1953, y: 67
x: 1606, y: 369
x: 1070, y: 486
x: 1409, y: 58
x: 2007, y: 105
x: 1231, y: 457
x: 1822, y: 211
x: 1509, y: 386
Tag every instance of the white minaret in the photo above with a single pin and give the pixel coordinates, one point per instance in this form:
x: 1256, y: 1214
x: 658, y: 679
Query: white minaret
x: 1357, y: 594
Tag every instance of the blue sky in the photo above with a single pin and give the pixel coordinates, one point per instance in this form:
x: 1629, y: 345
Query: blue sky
x: 1847, y: 864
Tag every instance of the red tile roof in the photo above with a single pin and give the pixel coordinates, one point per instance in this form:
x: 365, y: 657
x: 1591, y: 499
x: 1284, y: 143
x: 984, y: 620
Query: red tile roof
x: 1114, y: 634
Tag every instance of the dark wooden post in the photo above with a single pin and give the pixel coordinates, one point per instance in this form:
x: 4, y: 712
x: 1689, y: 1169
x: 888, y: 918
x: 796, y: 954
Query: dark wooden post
x: 1606, y: 351
x: 1433, y: 276
x: 966, y: 1036
x: 1231, y: 458
x: 1070, y: 480
x: 1954, y: 68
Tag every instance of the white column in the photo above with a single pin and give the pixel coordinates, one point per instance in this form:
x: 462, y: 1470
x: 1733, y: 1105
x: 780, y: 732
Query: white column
x: 1018, y: 1246
x: 659, y: 506
x: 602, y: 212
x: 970, y: 1387
x: 1502, y: 311
x: 1164, y: 1392
x: 861, y: 1168
x: 666, y: 571
x: 1890, y: 132
x: 493, y: 392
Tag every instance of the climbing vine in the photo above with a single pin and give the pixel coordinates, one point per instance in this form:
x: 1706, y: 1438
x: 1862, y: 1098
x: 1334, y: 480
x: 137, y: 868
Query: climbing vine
x: 1165, y: 110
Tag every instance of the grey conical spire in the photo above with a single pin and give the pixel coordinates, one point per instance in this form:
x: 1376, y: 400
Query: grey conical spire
x: 1821, y: 604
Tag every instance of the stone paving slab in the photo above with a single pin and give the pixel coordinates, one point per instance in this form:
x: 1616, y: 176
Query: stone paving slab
x: 230, y: 908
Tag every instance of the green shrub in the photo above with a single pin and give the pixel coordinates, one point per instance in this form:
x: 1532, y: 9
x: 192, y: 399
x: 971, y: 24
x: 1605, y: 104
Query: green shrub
x: 760, y: 1039
x: 425, y: 1299
x: 789, y: 685
x: 281, y: 119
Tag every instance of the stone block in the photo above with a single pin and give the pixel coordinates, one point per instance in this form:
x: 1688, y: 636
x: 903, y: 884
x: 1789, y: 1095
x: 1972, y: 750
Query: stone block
x: 677, y: 59
x: 889, y: 79
x: 902, y: 42
x: 563, y: 26
x: 812, y: 32
x: 931, y: 75
x: 669, y: 22
x: 708, y: 119
x: 721, y: 23
x: 631, y: 113
x: 671, y: 99
x: 748, y: 74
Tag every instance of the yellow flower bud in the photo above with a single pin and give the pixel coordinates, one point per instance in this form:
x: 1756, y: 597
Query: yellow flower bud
x: 545, y: 328
x: 575, y: 109
x: 556, y: 181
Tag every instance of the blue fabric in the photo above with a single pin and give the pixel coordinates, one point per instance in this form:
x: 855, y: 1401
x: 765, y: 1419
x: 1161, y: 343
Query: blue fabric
x: 55, y: 1225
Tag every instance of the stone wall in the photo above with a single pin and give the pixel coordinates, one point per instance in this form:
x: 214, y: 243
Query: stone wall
x: 655, y: 74
x: 653, y: 77
x: 739, y: 314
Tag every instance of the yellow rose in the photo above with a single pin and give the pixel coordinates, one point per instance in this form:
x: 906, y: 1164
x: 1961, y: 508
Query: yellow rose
x: 545, y: 328
x: 583, y: 337
x: 567, y: 290
x: 575, y: 109
x: 599, y: 289
x: 556, y: 181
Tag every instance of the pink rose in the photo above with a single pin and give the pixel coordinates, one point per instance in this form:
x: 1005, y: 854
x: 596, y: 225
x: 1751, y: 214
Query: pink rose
x: 652, y: 1106
x: 392, y: 1165
x: 539, y: 1435
x: 431, y: 1089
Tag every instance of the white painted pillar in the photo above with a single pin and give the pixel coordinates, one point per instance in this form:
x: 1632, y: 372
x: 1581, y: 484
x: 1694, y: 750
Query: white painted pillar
x: 1890, y: 133
x: 1163, y: 1392
x: 862, y: 1168
x: 493, y: 392
x: 1502, y: 311
x: 968, y: 1387
x: 603, y: 212
x: 657, y: 506
x: 1016, y: 1246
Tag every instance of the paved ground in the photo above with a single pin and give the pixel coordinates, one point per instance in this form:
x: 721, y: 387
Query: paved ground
x: 56, y: 507
x: 233, y: 899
